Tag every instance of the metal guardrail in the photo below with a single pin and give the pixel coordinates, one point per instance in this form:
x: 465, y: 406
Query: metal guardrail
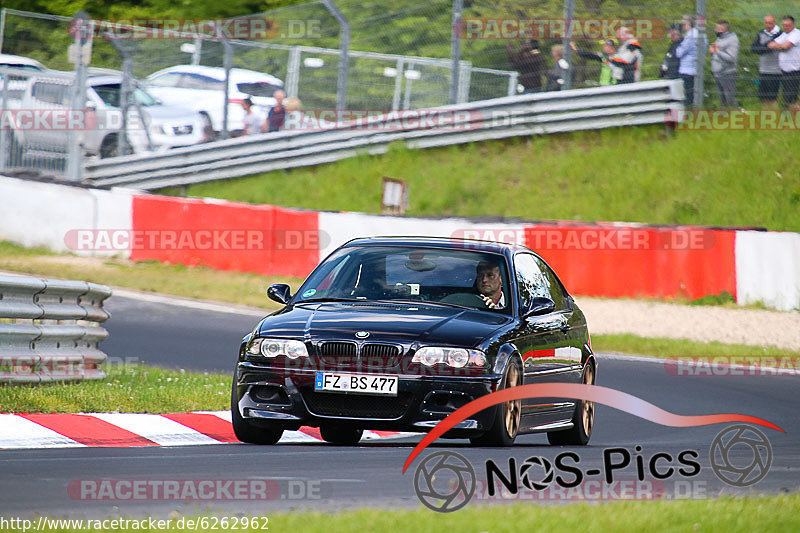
x: 48, y: 329
x: 514, y: 116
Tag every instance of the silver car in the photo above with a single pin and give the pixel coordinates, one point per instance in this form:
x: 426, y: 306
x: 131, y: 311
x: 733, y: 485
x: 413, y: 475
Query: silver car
x: 152, y: 126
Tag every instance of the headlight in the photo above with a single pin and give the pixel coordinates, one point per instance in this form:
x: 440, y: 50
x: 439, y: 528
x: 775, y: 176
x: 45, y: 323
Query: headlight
x: 271, y: 348
x: 455, y: 357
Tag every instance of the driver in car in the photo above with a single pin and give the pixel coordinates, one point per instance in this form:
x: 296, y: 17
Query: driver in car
x: 489, y: 284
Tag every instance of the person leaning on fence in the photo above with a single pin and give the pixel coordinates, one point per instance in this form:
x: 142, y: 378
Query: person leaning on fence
x: 530, y: 63
x: 277, y: 114
x: 669, y: 67
x: 687, y: 54
x: 609, y: 73
x: 629, y: 52
x: 788, y: 46
x: 769, y: 72
x: 555, y: 76
x: 725, y: 63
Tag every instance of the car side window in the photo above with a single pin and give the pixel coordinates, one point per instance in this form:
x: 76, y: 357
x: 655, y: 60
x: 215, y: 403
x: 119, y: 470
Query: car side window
x: 169, y: 79
x: 531, y: 281
x: 556, y: 291
x: 198, y: 81
x: 51, y: 93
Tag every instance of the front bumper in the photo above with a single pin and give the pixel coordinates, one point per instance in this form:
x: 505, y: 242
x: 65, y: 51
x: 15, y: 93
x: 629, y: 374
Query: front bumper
x: 276, y: 396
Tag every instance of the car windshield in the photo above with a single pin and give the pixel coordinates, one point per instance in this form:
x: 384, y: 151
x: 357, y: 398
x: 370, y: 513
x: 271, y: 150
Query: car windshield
x: 461, y: 278
x: 110, y: 94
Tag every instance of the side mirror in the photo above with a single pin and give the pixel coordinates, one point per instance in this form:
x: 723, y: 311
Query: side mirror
x: 540, y: 306
x: 280, y: 292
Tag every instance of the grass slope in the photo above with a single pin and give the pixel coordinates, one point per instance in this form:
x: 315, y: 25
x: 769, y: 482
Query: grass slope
x: 730, y: 178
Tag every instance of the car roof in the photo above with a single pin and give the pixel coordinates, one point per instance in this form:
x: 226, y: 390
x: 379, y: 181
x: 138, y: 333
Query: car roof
x: 238, y: 75
x: 438, y: 242
x: 19, y: 60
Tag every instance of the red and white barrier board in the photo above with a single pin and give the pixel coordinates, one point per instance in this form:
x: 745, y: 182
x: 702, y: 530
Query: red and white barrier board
x: 604, y: 259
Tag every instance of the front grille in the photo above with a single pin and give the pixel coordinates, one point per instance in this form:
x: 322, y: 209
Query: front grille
x: 337, y: 355
x: 337, y: 348
x: 380, y: 357
x: 357, y: 405
x: 380, y: 350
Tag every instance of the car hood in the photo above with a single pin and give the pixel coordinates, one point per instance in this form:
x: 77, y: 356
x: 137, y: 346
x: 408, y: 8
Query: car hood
x: 402, y: 323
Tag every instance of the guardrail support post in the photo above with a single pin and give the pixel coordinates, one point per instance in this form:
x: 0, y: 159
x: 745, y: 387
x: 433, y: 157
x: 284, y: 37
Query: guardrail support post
x: 5, y: 133
x: 701, y: 54
x: 398, y: 84
x: 344, y: 54
x: 513, y: 79
x: 125, y: 92
x: 227, y: 63
x: 569, y: 14
x: 455, y: 50
x: 83, y: 28
x: 293, y: 72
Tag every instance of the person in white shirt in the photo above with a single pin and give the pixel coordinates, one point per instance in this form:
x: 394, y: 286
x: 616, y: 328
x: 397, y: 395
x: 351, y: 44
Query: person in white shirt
x: 788, y: 46
x: 252, y: 120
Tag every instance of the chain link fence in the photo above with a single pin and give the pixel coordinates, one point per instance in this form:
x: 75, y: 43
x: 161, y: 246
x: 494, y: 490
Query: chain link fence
x: 360, y: 55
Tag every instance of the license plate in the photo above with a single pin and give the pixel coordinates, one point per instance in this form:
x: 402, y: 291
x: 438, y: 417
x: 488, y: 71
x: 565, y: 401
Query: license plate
x: 357, y: 383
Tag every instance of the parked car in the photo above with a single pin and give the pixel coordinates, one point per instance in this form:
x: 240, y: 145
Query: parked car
x: 397, y: 333
x: 20, y: 62
x: 202, y: 88
x: 152, y: 126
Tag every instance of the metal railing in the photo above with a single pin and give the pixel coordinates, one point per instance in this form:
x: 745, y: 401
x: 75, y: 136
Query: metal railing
x: 516, y: 116
x: 49, y: 331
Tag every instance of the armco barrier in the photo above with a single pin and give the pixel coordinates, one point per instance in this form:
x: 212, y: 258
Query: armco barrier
x: 50, y: 335
x: 632, y: 104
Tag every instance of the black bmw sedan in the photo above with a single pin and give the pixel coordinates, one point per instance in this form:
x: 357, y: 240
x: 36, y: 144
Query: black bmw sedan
x: 396, y: 333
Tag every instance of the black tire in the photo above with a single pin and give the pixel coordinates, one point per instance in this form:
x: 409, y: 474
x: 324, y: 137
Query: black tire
x: 341, y: 435
x: 247, y: 432
x: 582, y: 419
x: 507, y: 416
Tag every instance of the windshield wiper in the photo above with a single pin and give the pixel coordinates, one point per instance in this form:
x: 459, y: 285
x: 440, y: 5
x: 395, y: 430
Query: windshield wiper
x: 329, y: 299
x: 426, y: 302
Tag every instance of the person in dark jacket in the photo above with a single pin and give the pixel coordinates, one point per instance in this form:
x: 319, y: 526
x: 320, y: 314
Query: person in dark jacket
x: 530, y: 63
x: 769, y: 71
x: 555, y: 76
x: 671, y: 63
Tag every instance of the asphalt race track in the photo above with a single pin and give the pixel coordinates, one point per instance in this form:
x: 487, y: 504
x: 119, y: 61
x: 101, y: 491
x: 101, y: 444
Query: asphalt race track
x: 326, y: 477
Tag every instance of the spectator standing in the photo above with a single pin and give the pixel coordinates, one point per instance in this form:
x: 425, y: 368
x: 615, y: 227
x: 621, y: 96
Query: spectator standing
x: 277, y: 114
x: 669, y: 67
x: 788, y: 46
x: 725, y: 63
x: 630, y: 52
x: 769, y: 71
x: 687, y: 54
x: 530, y: 63
x: 252, y: 120
x: 609, y: 73
x: 555, y: 76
